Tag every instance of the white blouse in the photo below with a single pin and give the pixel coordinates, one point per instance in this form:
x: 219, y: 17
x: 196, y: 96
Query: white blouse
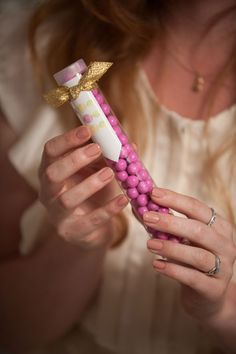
x: 137, y: 311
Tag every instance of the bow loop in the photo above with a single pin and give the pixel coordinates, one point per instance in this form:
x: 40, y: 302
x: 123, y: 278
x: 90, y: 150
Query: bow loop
x: 62, y: 94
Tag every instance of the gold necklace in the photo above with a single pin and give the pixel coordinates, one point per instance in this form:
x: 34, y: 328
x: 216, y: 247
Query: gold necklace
x: 198, y: 81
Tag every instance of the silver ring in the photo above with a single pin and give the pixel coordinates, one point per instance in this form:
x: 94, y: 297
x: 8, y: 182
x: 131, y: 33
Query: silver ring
x: 213, y: 217
x: 216, y: 268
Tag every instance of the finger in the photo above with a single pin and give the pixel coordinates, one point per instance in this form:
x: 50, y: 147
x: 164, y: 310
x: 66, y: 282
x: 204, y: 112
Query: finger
x: 62, y: 144
x: 193, y: 230
x: 67, y: 166
x: 78, y: 194
x: 190, y: 207
x: 75, y: 228
x: 195, y: 257
x: 192, y: 278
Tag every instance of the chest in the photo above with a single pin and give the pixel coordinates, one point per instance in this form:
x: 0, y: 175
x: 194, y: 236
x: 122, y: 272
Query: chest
x: 172, y: 84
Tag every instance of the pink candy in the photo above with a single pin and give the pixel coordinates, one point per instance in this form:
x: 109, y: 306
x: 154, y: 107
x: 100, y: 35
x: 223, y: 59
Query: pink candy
x: 143, y: 174
x: 132, y: 193
x: 142, y: 199
x: 123, y: 138
x: 122, y: 176
x: 121, y: 165
x: 132, y: 181
x: 152, y: 206
x: 132, y: 157
x: 117, y: 129
x: 124, y: 152
x: 143, y: 187
x: 112, y: 120
x: 105, y: 108
x: 142, y: 210
x: 131, y: 173
x: 133, y: 168
x: 100, y: 99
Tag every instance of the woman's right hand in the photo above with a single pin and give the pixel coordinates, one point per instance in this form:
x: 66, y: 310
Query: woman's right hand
x: 80, y: 202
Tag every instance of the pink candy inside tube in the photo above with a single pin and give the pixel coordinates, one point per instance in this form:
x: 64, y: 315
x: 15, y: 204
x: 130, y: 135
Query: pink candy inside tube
x: 129, y: 170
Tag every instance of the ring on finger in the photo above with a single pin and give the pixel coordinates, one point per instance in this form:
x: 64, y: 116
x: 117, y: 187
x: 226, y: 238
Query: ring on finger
x: 214, y: 270
x: 213, y: 218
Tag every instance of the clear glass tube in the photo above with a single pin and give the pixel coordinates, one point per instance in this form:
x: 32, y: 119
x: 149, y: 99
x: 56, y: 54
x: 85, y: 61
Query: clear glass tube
x: 134, y: 179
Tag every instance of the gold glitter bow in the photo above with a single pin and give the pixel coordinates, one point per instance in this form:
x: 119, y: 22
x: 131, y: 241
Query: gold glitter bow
x: 62, y: 94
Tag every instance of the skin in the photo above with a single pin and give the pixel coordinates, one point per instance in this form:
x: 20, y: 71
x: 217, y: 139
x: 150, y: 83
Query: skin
x: 73, y: 259
x: 82, y: 229
x: 209, y: 300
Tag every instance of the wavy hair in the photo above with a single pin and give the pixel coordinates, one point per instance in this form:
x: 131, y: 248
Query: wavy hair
x: 120, y: 31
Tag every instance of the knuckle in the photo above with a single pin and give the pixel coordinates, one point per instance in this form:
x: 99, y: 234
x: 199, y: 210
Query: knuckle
x: 69, y: 138
x: 63, y: 231
x: 199, y: 229
x: 49, y: 148
x: 64, y: 201
x: 98, y: 218
x: 202, y: 259
x: 164, y: 221
x: 50, y: 174
x: 75, y: 158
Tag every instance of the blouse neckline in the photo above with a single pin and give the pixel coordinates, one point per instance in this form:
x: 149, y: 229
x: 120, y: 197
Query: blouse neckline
x: 177, y: 116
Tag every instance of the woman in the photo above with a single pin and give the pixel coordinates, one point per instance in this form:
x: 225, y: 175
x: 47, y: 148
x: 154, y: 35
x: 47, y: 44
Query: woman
x: 85, y: 283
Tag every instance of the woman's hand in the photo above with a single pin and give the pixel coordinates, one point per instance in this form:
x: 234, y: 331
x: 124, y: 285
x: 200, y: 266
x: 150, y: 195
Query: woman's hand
x: 80, y: 201
x: 202, y: 295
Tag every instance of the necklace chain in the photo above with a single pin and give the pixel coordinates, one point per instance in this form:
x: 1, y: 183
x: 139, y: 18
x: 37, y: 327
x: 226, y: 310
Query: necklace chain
x: 199, y: 79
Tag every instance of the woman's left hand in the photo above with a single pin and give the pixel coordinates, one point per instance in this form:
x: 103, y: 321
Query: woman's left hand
x: 202, y: 295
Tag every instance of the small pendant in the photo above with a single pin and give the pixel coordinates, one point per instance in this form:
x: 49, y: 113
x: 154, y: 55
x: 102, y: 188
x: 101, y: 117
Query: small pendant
x: 198, y: 83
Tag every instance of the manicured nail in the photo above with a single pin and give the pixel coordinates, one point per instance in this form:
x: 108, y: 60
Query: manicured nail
x: 156, y: 245
x: 122, y: 201
x: 159, y: 264
x: 92, y: 150
x: 153, y: 251
x: 151, y: 217
x: 158, y: 192
x: 105, y: 174
x: 82, y: 132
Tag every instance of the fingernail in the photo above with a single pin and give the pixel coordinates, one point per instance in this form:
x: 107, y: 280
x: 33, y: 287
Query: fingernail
x: 122, y: 200
x: 159, y: 264
x: 156, y: 245
x: 158, y: 193
x: 151, y: 216
x: 153, y: 251
x: 105, y: 174
x: 82, y: 132
x: 92, y: 150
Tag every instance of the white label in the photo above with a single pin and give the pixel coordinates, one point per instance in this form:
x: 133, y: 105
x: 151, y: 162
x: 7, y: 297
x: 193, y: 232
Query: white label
x: 90, y: 113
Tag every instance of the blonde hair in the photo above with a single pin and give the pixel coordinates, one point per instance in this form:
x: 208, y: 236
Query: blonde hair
x: 121, y: 32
